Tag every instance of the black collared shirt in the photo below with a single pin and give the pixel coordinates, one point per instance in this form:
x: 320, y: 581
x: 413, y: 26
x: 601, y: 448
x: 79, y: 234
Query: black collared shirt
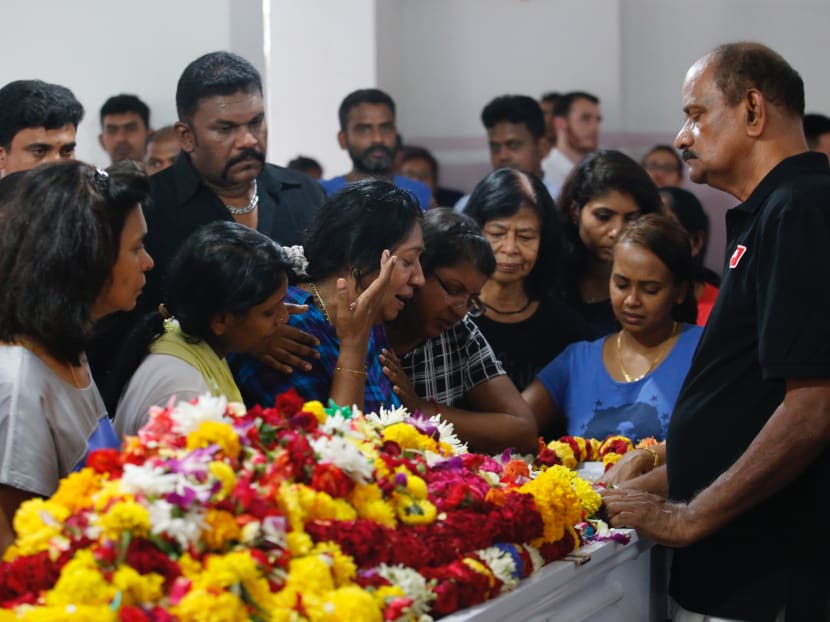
x: 771, y: 323
x: 288, y: 202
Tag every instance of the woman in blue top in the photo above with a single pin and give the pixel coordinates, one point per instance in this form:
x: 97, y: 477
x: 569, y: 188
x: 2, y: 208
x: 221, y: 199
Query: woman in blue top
x: 363, y: 253
x: 627, y: 383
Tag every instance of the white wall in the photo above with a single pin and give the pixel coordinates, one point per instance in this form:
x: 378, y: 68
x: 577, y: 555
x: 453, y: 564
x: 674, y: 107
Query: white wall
x: 320, y: 51
x: 99, y: 48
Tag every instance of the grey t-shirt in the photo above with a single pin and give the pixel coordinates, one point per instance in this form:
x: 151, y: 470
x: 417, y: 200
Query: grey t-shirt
x: 47, y: 426
x: 157, y: 379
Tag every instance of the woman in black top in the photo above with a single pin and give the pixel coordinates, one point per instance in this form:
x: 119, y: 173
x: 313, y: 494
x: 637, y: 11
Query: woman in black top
x: 525, y: 320
x: 604, y: 192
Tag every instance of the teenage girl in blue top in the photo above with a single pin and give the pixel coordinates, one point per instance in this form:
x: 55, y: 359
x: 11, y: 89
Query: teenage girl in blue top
x: 627, y: 382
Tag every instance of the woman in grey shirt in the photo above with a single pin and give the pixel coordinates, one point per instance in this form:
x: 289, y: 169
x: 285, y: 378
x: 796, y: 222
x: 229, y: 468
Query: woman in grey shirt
x: 71, y: 252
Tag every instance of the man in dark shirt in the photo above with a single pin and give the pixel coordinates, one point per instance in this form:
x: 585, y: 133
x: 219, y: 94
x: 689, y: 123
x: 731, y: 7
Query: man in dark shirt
x: 747, y: 449
x: 221, y: 174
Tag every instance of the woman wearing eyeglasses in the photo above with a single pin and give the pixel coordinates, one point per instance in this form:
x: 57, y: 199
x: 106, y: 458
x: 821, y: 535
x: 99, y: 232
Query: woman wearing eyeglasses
x: 441, y: 362
x: 525, y: 318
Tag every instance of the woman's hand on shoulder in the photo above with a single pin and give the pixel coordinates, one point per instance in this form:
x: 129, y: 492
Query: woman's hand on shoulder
x: 290, y: 347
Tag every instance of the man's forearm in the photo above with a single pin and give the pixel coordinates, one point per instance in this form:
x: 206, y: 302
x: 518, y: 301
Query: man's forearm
x: 792, y: 438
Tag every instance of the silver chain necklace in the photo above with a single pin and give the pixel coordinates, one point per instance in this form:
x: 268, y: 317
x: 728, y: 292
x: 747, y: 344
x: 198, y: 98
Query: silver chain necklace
x: 252, y: 204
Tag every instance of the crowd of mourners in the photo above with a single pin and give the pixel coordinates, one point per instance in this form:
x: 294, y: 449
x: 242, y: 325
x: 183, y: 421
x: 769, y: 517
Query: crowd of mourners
x: 565, y: 294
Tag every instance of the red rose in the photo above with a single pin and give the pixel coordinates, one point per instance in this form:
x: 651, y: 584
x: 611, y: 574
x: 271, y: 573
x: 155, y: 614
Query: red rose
x: 289, y: 403
x: 133, y: 614
x: 331, y: 479
x: 106, y: 462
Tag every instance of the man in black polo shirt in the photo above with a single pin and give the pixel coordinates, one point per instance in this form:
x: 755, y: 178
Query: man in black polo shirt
x: 220, y: 174
x: 742, y: 494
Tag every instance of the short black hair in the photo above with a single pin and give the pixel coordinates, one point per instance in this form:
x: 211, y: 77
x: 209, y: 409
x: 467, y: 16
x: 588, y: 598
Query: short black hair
x: 123, y: 103
x: 222, y: 267
x: 814, y: 126
x: 168, y: 132
x: 741, y: 66
x: 562, y: 105
x: 515, y: 109
x: 451, y: 238
x: 362, y: 96
x: 355, y: 225
x: 304, y: 164
x: 504, y: 192
x: 413, y: 152
x: 33, y: 103
x: 215, y: 73
x: 550, y: 96
x: 61, y: 234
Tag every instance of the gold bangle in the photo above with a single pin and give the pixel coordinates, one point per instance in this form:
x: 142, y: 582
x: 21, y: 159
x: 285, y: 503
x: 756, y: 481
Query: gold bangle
x: 356, y: 372
x: 656, y: 457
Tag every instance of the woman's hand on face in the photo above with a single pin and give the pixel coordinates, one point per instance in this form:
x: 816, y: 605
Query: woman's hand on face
x: 400, y: 381
x: 357, y: 313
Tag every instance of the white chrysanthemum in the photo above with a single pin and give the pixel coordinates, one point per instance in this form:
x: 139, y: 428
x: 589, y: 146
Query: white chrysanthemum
x: 188, y: 417
x: 446, y: 431
x: 336, y: 425
x: 502, y: 564
x: 186, y: 529
x: 447, y: 434
x: 344, y: 455
x: 149, y: 480
x: 413, y: 584
x: 385, y: 418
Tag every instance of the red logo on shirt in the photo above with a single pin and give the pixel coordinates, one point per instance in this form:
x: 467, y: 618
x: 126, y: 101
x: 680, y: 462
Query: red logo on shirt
x: 736, y: 256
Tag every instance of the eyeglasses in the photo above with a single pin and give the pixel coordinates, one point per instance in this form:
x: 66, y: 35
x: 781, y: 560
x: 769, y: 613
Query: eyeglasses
x: 462, y: 299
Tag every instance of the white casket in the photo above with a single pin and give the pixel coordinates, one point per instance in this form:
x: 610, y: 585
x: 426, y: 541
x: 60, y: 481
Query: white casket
x: 600, y: 582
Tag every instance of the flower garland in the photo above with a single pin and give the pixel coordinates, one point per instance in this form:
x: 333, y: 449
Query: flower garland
x: 570, y: 451
x: 296, y: 512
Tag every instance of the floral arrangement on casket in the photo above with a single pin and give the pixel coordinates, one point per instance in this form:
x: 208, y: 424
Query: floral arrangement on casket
x: 296, y: 512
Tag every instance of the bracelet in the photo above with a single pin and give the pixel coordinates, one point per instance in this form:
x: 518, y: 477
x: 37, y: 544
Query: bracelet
x: 655, y: 455
x: 356, y: 372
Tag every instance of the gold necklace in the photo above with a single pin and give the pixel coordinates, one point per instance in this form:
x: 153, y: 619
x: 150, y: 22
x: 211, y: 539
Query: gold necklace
x: 319, y: 300
x: 653, y: 363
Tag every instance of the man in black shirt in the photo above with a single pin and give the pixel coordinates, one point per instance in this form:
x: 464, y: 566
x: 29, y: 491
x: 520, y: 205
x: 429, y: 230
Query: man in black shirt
x: 220, y: 174
x: 747, y: 449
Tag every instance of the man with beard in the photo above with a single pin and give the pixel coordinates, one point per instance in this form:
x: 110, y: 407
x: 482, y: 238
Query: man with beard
x: 219, y: 175
x: 576, y: 117
x: 368, y: 133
